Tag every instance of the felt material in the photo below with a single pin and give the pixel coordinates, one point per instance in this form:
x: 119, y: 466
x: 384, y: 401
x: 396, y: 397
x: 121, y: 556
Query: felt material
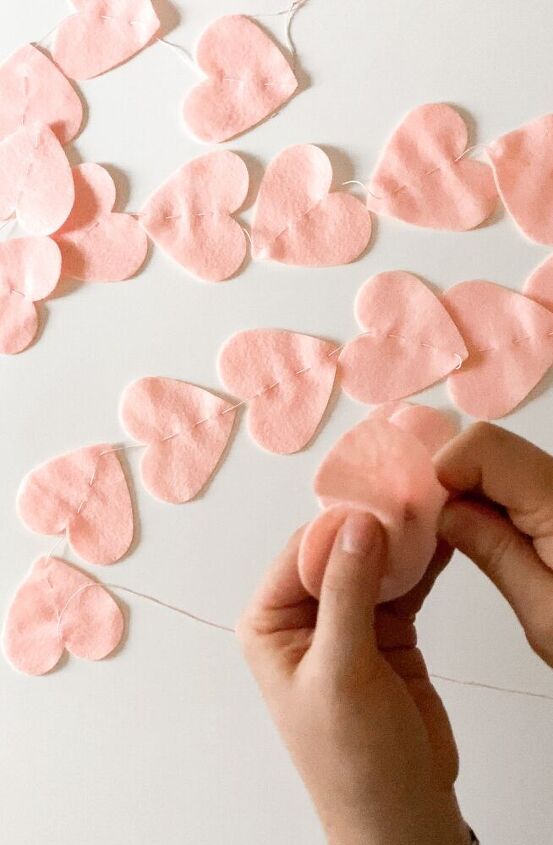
x: 84, y: 494
x: 190, y: 215
x: 378, y: 468
x: 102, y: 34
x: 523, y: 165
x: 29, y: 271
x: 52, y: 611
x: 510, y: 343
x: 248, y: 80
x: 297, y: 221
x: 539, y: 285
x: 34, y: 90
x: 432, y: 427
x: 35, y: 180
x: 410, y: 341
x: 187, y: 430
x: 421, y: 178
x: 287, y: 380
x: 96, y: 244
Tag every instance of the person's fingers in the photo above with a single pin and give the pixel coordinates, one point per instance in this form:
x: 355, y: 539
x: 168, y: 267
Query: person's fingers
x: 507, y: 470
x: 345, y: 621
x: 509, y: 559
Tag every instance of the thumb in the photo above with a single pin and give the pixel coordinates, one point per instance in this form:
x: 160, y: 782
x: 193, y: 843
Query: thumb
x: 345, y: 621
x: 509, y: 559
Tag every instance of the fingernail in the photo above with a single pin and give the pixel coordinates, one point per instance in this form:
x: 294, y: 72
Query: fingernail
x: 360, y: 533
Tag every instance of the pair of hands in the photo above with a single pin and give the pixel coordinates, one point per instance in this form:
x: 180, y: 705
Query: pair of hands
x: 343, y: 678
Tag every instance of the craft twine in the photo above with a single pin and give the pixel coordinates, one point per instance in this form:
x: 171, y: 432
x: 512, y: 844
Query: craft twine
x: 216, y: 625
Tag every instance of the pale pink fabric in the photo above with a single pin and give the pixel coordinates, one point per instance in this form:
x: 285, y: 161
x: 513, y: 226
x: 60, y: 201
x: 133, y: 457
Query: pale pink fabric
x: 85, y: 494
x: 410, y: 341
x: 190, y: 215
x: 102, y: 34
x: 432, y: 427
x: 33, y: 89
x: 248, y: 79
x: 421, y: 178
x: 510, y: 343
x: 297, y: 221
x: 287, y: 379
x: 96, y: 244
x: 56, y: 608
x: 35, y: 180
x: 539, y: 285
x: 523, y: 165
x: 29, y: 271
x: 378, y: 468
x: 187, y: 430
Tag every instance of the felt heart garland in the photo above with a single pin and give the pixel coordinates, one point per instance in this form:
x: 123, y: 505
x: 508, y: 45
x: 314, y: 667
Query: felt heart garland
x: 385, y: 470
x: 34, y: 90
x: 423, y: 177
x: 58, y: 608
x: 97, y: 244
x: 287, y: 380
x: 299, y: 221
x: 409, y: 340
x: 84, y: 494
x: 248, y: 79
x: 102, y: 34
x: 186, y: 430
x: 29, y: 271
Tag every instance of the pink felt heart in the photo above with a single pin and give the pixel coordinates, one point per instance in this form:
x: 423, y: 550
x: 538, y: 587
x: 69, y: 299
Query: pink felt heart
x: 34, y: 90
x: 297, y: 221
x: 378, y: 468
x: 510, y: 342
x: 248, y: 80
x: 187, y: 430
x: 409, y: 343
x: 539, y: 286
x: 96, y: 244
x: 35, y: 180
x: 523, y: 165
x: 85, y: 494
x: 29, y: 271
x: 287, y: 380
x: 423, y: 179
x: 57, y: 608
x: 190, y: 215
x: 102, y: 34
x: 432, y: 427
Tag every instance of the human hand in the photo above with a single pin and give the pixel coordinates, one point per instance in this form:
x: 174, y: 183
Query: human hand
x: 351, y: 696
x: 503, y: 520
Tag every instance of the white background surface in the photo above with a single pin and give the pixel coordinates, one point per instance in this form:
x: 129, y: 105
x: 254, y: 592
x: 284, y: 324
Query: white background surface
x: 167, y: 742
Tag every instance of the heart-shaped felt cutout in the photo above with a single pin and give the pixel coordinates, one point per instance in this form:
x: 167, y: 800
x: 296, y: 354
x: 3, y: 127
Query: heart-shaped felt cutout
x: 297, y: 221
x: 190, y: 215
x: 423, y: 179
x: 103, y: 34
x: 523, y: 165
x: 57, y: 608
x: 248, y: 80
x: 96, y: 244
x: 36, y: 182
x: 409, y: 343
x: 186, y: 429
x: 378, y: 468
x: 84, y: 494
x: 432, y: 427
x: 510, y: 342
x: 539, y: 286
x: 29, y: 271
x: 34, y: 90
x: 287, y: 380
